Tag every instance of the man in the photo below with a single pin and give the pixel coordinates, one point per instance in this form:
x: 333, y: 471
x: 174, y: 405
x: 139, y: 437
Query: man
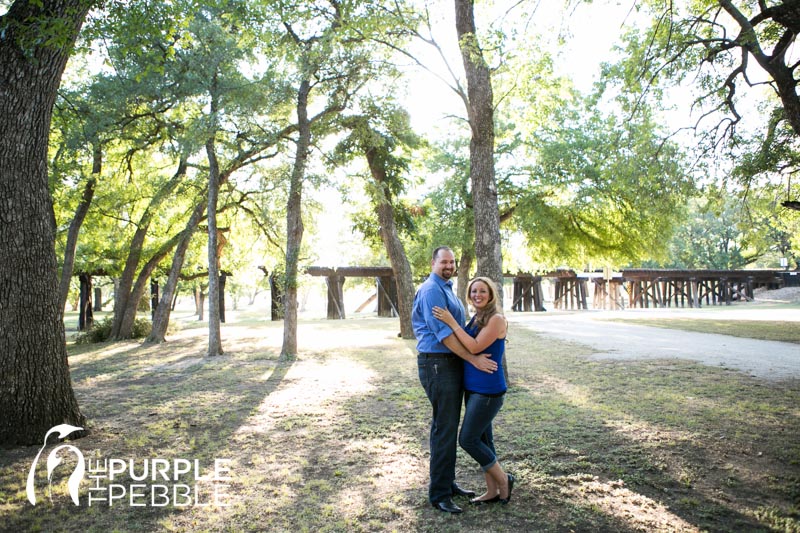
x: 441, y: 372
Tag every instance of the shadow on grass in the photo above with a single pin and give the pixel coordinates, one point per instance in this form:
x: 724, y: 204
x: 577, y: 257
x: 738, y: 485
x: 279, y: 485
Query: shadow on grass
x: 692, y: 447
x: 337, y: 441
x: 141, y: 402
x: 658, y: 445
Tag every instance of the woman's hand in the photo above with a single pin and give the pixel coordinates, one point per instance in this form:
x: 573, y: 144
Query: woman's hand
x: 445, y: 316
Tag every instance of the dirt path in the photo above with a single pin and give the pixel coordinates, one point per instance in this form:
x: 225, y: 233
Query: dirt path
x: 617, y: 340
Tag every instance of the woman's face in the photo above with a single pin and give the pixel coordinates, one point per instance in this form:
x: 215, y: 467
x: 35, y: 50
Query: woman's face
x: 479, y: 295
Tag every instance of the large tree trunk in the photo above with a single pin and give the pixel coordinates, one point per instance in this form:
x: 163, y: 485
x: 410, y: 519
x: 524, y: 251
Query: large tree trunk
x: 394, y: 246
x: 35, y: 387
x: 161, y: 318
x: 480, y: 110
x: 75, y: 227
x: 214, y: 330
x: 294, y: 224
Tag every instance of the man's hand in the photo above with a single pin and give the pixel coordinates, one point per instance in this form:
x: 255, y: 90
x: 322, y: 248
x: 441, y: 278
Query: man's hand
x: 484, y: 363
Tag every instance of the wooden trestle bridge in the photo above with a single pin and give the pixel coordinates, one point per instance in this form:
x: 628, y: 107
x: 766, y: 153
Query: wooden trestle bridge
x: 641, y: 288
x: 633, y: 288
x: 629, y: 288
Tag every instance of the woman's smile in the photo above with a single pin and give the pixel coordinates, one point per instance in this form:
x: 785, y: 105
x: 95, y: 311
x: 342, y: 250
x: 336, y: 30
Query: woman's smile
x: 479, y: 294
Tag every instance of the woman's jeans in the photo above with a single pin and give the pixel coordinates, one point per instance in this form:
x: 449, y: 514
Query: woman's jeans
x: 441, y: 376
x: 476, y: 430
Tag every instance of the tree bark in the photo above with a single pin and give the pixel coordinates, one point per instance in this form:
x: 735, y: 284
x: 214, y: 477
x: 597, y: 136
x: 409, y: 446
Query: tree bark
x: 126, y: 328
x: 464, y: 268
x: 75, y: 227
x: 35, y: 387
x: 86, y: 316
x: 161, y: 319
x: 394, y: 246
x: 480, y: 111
x: 294, y: 224
x: 214, y: 330
x: 785, y: 14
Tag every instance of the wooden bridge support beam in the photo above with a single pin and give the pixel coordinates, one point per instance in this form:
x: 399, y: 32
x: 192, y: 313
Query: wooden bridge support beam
x: 571, y: 293
x: 527, y: 293
x: 335, y: 297
x: 85, y: 314
x: 386, y: 287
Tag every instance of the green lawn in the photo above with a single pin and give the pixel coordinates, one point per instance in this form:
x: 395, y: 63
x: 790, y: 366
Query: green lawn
x: 337, y: 440
x: 752, y: 329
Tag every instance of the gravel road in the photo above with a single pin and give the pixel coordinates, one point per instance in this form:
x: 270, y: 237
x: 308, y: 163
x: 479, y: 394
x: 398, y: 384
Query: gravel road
x: 769, y: 360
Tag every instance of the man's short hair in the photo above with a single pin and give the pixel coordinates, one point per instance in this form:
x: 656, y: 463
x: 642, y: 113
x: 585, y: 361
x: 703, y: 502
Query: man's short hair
x: 439, y: 249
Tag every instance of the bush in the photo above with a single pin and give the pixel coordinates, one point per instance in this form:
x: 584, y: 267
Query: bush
x: 101, y: 331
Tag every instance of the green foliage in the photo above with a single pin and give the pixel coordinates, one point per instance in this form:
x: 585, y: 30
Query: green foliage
x: 444, y: 217
x: 101, y: 331
x: 600, y: 190
x: 772, y: 152
x: 580, y: 179
x: 728, y: 229
x: 379, y: 138
x: 710, y: 50
x: 710, y: 237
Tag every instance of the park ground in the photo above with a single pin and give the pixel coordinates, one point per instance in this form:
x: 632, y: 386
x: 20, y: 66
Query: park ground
x: 600, y: 437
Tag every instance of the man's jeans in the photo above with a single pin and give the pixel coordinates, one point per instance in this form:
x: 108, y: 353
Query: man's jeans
x: 441, y: 377
x: 476, y: 432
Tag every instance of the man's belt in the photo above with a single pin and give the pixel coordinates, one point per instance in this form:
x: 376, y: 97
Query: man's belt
x: 446, y: 355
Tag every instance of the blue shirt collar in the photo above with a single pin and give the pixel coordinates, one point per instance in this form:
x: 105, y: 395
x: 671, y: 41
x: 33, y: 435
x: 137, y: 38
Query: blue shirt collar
x: 440, y: 280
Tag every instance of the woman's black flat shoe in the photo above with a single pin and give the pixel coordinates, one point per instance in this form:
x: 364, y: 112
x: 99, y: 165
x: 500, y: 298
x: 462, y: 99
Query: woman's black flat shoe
x: 505, y: 501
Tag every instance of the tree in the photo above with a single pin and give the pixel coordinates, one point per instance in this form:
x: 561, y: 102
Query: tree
x: 727, y: 229
x: 75, y: 226
x: 600, y: 190
x: 328, y: 44
x: 294, y: 221
x: 35, y: 387
x: 164, y: 308
x: 711, y: 237
x: 213, y: 115
x: 388, y: 179
x: 714, y: 41
x: 480, y: 110
x: 126, y: 301
x: 726, y: 50
x: 119, y: 115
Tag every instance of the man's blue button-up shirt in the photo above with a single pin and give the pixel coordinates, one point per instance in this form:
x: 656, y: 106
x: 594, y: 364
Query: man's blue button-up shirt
x: 429, y: 330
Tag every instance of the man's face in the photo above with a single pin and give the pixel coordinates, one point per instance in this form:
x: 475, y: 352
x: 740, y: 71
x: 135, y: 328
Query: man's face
x: 444, y: 264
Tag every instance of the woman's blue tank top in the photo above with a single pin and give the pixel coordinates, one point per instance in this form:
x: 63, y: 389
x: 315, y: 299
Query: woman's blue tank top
x: 478, y: 381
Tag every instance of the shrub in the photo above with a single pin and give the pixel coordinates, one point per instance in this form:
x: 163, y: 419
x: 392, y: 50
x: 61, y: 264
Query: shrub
x: 101, y: 331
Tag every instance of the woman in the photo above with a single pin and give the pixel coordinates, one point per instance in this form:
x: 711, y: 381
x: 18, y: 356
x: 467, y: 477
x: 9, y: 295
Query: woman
x: 483, y: 393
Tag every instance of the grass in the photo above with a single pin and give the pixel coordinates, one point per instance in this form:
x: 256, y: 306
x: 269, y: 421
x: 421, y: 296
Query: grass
x: 336, y: 440
x: 751, y: 329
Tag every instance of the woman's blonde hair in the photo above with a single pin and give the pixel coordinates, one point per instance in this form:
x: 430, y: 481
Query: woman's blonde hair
x: 482, y: 316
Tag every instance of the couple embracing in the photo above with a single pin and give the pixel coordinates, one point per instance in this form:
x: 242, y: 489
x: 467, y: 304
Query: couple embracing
x: 457, y: 362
